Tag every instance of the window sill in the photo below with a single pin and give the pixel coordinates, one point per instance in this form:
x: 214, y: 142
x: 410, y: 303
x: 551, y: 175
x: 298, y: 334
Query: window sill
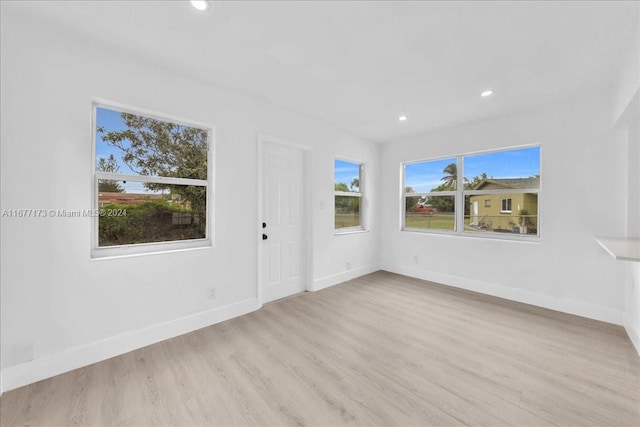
x: 505, y: 237
x: 128, y: 251
x: 346, y: 231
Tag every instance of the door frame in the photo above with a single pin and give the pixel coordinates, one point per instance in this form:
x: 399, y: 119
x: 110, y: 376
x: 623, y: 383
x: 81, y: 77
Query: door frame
x: 306, y: 208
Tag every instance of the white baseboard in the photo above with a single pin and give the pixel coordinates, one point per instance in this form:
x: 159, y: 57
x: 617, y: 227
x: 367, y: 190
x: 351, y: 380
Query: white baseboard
x: 577, y: 308
x: 633, y: 335
x: 74, y: 358
x: 335, y: 279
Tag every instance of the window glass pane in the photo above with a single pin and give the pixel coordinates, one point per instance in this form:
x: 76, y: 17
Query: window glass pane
x: 347, y: 211
x: 347, y: 176
x: 435, y: 175
x: 502, y: 170
x: 506, y: 205
x: 520, y: 217
x: 135, y: 212
x: 137, y: 145
x: 432, y: 212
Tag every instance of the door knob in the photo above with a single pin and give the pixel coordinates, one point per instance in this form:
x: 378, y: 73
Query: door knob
x: 265, y: 237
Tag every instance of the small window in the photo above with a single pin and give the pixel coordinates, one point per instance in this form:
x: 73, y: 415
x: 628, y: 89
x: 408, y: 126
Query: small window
x: 152, y: 182
x: 348, y: 195
x: 487, y: 203
x: 505, y: 206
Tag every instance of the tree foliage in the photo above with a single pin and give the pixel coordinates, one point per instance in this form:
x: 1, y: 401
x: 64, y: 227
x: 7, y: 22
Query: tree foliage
x: 449, y: 183
x: 158, y: 148
x: 408, y: 201
x: 341, y: 186
x: 346, y: 204
x: 154, y: 147
x: 451, y: 178
x: 109, y: 164
x: 475, y: 181
x: 152, y: 221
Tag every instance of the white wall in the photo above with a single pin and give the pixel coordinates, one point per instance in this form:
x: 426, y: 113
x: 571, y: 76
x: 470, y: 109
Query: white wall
x: 632, y: 279
x: 626, y: 118
x: 583, y: 195
x: 64, y: 310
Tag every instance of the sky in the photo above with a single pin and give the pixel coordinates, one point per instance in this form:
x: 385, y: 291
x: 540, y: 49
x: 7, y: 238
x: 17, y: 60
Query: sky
x: 346, y: 171
x: 422, y: 176
x: 111, y: 120
x: 519, y: 163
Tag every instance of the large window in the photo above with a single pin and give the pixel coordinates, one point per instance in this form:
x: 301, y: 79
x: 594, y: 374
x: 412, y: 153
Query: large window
x: 152, y: 182
x: 494, y: 194
x: 348, y: 196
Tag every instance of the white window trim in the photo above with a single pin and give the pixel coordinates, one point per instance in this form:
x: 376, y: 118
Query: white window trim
x: 509, y: 203
x: 360, y: 228
x: 120, y: 251
x: 460, y: 193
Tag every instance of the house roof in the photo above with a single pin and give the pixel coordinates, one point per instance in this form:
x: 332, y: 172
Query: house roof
x: 127, y: 198
x: 499, y: 183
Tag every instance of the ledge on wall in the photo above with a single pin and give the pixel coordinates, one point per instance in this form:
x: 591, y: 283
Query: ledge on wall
x: 621, y: 248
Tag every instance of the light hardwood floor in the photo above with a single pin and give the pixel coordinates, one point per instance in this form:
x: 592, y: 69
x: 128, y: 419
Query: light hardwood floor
x: 382, y: 350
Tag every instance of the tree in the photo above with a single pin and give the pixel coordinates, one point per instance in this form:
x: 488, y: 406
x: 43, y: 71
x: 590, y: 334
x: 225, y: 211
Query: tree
x: 355, y: 184
x: 451, y: 177
x: 157, y: 148
x: 348, y: 204
x: 108, y: 165
x: 341, y: 186
x: 408, y: 201
x: 442, y: 203
x: 473, y: 184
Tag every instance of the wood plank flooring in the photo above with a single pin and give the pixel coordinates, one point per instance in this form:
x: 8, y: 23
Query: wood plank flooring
x: 381, y: 350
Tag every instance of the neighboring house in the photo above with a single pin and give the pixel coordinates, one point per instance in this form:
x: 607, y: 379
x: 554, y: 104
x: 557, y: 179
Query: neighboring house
x: 504, y: 211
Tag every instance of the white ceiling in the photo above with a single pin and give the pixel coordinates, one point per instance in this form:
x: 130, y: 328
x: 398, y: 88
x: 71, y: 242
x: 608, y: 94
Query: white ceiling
x: 358, y: 64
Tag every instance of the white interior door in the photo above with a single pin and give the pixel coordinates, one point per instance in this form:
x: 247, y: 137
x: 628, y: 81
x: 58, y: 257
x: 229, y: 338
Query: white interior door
x: 284, y: 249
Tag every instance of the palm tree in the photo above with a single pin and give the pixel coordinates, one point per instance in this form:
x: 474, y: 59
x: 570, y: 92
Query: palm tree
x: 451, y: 177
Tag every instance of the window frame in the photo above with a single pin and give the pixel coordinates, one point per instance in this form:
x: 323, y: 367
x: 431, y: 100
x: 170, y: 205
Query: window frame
x: 118, y: 251
x: 428, y: 194
x: 360, y: 194
x: 508, y: 201
x: 460, y: 193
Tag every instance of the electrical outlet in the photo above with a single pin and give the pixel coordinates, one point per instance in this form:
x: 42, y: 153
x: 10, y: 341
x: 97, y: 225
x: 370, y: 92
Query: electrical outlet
x: 415, y: 259
x: 348, y: 265
x: 212, y: 293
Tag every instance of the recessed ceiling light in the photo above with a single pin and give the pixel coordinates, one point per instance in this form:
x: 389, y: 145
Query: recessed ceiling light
x: 200, y: 4
x: 402, y: 118
x: 486, y: 93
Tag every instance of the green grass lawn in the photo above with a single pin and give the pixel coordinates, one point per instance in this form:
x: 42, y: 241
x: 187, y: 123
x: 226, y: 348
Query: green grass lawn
x: 347, y: 220
x: 439, y: 221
